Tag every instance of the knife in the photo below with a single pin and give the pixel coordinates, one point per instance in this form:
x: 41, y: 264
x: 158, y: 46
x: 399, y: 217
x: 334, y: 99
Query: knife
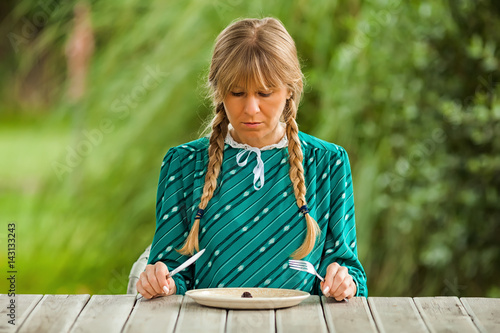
x: 186, y: 264
x: 180, y: 268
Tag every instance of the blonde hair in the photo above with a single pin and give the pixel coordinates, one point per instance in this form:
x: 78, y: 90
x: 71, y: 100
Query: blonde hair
x: 256, y: 51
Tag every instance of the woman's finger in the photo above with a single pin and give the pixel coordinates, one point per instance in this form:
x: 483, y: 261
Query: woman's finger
x: 143, y: 287
x: 331, y: 271
x: 142, y: 291
x: 354, y: 289
x: 346, y: 294
x: 152, y: 277
x: 344, y: 287
x: 338, y: 279
x: 161, y: 272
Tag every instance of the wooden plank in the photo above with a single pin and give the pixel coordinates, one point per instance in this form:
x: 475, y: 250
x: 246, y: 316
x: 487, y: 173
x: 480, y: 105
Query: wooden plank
x: 485, y: 312
x: 198, y: 318
x: 444, y: 314
x: 307, y: 316
x: 250, y: 321
x: 55, y: 313
x: 105, y: 313
x: 391, y: 314
x: 24, y: 304
x: 150, y: 315
x: 351, y: 317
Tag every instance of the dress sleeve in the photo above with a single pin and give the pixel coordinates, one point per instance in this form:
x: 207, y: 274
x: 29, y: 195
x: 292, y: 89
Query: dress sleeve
x: 172, y: 225
x: 341, y: 244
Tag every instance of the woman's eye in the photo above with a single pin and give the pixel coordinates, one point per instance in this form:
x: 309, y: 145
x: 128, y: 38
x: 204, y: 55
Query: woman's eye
x: 237, y: 94
x: 265, y: 94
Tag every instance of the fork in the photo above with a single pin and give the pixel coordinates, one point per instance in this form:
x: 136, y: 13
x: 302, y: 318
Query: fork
x: 306, y: 266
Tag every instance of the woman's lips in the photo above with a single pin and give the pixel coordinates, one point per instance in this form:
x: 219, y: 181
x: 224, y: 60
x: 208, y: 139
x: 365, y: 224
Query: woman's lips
x: 252, y: 124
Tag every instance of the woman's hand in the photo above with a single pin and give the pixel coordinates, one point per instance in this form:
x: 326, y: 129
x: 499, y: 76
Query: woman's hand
x: 338, y: 283
x: 153, y: 281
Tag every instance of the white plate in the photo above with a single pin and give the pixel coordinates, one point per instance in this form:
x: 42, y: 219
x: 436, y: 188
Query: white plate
x: 262, y: 298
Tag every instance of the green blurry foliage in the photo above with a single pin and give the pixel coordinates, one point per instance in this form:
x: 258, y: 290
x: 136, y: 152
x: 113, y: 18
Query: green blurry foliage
x: 409, y: 88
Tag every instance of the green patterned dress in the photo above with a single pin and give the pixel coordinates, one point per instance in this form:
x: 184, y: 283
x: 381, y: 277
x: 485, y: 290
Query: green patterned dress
x: 252, y: 224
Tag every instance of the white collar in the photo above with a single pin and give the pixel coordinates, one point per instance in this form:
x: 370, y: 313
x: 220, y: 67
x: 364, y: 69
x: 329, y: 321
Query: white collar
x: 258, y: 171
x: 230, y: 141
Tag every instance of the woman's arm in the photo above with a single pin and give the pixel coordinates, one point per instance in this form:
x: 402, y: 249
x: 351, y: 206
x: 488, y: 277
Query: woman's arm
x: 341, y: 243
x: 172, y: 225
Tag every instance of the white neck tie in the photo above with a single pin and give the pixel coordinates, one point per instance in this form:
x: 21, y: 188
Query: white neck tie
x: 258, y: 171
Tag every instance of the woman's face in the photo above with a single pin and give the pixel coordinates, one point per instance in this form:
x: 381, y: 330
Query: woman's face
x: 255, y: 113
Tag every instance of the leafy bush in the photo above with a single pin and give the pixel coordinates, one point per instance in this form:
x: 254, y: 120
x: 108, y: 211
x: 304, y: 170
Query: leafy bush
x: 410, y: 89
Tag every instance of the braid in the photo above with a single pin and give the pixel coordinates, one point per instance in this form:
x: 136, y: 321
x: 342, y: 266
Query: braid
x: 215, y: 155
x: 297, y: 178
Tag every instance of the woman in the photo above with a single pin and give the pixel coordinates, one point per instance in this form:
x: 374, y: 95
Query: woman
x: 256, y: 191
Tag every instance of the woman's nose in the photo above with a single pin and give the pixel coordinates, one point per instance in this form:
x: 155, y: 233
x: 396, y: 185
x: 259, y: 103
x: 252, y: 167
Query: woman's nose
x: 252, y: 105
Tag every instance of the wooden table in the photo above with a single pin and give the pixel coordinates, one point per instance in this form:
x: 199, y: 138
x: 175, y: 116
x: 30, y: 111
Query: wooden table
x: 122, y: 313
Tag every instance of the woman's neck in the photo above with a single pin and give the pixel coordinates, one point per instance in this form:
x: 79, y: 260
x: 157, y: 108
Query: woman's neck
x: 260, y: 142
